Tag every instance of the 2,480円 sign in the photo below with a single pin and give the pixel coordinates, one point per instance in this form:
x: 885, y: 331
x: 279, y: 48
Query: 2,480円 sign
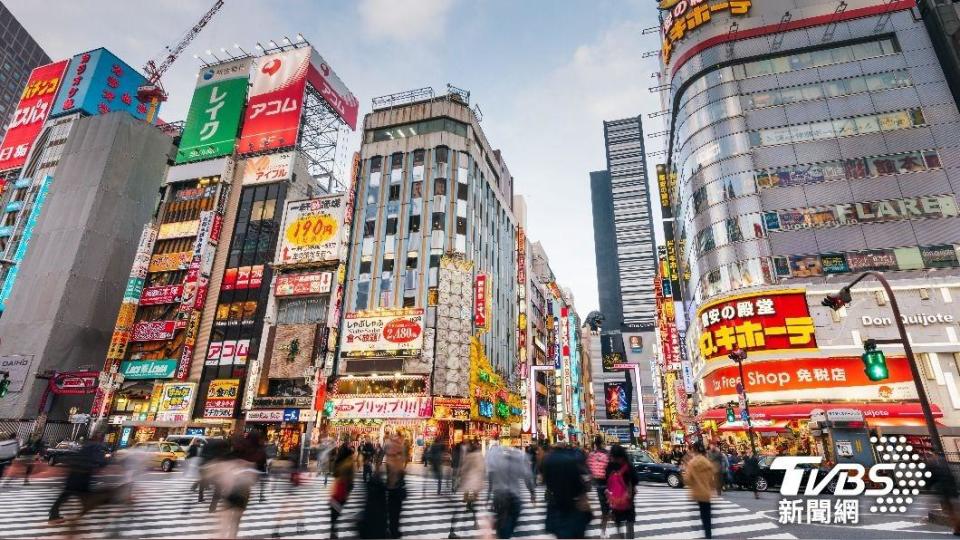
x: 765, y: 321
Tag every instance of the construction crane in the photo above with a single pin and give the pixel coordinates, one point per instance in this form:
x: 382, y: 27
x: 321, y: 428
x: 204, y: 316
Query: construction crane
x: 153, y: 92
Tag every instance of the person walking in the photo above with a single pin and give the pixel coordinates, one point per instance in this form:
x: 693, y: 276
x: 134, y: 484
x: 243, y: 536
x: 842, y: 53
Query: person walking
x: 396, y: 462
x: 597, y: 462
x: 751, y: 472
x: 944, y: 484
x: 456, y: 458
x: 621, y: 481
x: 342, y: 466
x: 509, y: 472
x: 367, y: 452
x: 716, y: 458
x: 700, y: 476
x: 82, y: 466
x: 472, y: 473
x: 568, y: 509
x: 27, y: 459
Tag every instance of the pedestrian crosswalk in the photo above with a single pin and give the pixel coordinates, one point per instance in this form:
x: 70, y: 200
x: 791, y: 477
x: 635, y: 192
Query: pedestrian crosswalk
x: 164, y: 507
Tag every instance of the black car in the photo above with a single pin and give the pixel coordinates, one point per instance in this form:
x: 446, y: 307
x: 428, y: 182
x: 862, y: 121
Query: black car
x: 61, y: 452
x: 767, y: 478
x: 650, y: 469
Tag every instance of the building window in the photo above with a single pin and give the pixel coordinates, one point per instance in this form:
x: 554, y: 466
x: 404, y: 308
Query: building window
x: 414, y: 224
x: 394, y: 194
x: 391, y: 226
x: 369, y: 228
x: 311, y: 310
x: 438, y: 221
x: 439, y: 186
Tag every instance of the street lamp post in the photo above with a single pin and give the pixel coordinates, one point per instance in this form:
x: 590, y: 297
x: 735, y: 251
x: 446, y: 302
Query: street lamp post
x: 843, y: 297
x: 738, y: 356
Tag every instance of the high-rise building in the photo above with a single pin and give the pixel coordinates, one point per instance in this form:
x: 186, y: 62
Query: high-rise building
x: 810, y: 143
x: 19, y: 54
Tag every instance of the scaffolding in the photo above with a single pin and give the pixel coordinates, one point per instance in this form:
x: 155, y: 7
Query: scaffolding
x: 320, y: 130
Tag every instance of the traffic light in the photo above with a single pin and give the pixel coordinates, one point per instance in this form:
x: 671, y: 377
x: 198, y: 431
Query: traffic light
x: 837, y: 301
x: 4, y: 384
x: 874, y: 361
x: 731, y: 415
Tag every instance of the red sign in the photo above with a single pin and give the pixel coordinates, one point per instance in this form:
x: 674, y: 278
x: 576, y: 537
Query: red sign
x: 802, y: 374
x: 401, y: 331
x: 153, y: 330
x: 166, y: 294
x: 334, y: 92
x: 313, y: 283
x: 272, y: 118
x: 74, y: 383
x: 802, y: 410
x: 35, y: 104
x: 480, y: 303
x: 244, y: 277
x: 763, y: 321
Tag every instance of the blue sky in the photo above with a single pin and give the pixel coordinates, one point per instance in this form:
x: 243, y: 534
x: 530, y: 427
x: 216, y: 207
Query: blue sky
x: 544, y: 73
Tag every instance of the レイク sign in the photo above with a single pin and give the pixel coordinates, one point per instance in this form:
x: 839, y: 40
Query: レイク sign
x: 34, y: 107
x: 765, y: 321
x: 215, y: 110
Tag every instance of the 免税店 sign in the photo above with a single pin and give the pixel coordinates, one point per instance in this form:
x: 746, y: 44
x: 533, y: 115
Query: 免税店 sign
x: 763, y: 321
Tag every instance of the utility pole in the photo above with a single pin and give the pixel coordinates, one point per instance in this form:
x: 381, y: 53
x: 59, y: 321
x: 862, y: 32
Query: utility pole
x: 739, y: 355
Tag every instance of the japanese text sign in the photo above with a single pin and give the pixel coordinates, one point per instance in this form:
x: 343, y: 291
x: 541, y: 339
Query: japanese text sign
x: 765, y: 321
x: 334, y: 92
x: 688, y: 15
x: 221, y: 398
x: 176, y: 402
x: 97, y: 82
x: 153, y: 330
x: 214, y: 115
x: 399, y: 334
x: 312, y: 231
x: 297, y: 284
x: 164, y: 294
x: 272, y: 118
x: 480, y: 301
x: 383, y: 407
x: 268, y: 168
x: 32, y: 110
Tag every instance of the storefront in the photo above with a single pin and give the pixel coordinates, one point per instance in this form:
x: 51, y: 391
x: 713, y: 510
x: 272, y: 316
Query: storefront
x: 286, y: 429
x: 495, y: 412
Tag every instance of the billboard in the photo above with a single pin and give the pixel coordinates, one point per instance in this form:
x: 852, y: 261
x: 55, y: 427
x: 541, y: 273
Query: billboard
x: 221, y: 398
x: 176, y: 401
x: 765, y: 321
x: 613, y: 357
x: 382, y: 407
x: 312, y: 231
x: 399, y: 333
x: 215, y: 110
x: 616, y: 401
x: 33, y: 108
x: 268, y: 168
x: 308, y: 283
x: 272, y: 117
x: 25, y: 236
x: 334, y: 92
x: 97, y: 82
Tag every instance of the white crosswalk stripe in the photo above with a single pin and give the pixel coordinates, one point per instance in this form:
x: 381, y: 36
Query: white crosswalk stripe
x: 159, y: 512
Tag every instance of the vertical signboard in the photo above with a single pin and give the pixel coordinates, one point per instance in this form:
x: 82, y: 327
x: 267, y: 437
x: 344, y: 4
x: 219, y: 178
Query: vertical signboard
x: 214, y: 115
x: 312, y: 230
x: 334, y: 92
x: 272, y: 117
x: 616, y: 401
x: 27, y: 121
x: 480, y: 302
x: 97, y: 82
x: 21, y: 251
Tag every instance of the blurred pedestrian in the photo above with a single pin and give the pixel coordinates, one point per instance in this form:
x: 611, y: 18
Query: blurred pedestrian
x: 81, y: 468
x: 751, y: 472
x: 26, y: 459
x: 9, y: 447
x: 456, y: 457
x: 700, y: 476
x: 378, y: 457
x: 472, y: 474
x: 597, y: 462
x: 509, y: 472
x: 568, y: 509
x: 367, y: 452
x: 944, y: 484
x: 372, y: 522
x: 342, y: 482
x: 396, y: 460
x: 235, y: 477
x: 436, y: 453
x: 621, y: 490
x: 716, y: 458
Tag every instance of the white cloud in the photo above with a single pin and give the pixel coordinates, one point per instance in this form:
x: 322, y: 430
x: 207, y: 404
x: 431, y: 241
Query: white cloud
x: 409, y: 21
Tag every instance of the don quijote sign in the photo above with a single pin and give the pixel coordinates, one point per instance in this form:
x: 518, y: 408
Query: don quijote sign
x: 917, y: 319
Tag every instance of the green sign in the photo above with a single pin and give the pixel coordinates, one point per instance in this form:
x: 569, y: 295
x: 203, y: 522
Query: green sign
x: 149, y: 369
x: 214, y: 115
x: 134, y: 289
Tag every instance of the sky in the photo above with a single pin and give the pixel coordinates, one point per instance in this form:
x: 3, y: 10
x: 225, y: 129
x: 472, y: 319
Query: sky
x: 545, y: 75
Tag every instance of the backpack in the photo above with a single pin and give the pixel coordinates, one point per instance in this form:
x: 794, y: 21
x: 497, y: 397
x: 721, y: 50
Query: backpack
x: 618, y: 494
x: 597, y: 463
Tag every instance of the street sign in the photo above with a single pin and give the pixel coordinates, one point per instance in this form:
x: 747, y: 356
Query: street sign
x: 743, y: 414
x: 82, y: 418
x: 291, y: 415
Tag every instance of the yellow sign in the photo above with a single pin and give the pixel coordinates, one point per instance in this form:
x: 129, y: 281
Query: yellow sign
x: 309, y: 231
x: 180, y: 229
x: 169, y: 262
x: 686, y: 15
x: 223, y: 389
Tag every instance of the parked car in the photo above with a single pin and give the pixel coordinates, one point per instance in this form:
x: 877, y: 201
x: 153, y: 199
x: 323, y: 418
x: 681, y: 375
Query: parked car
x: 8, y: 450
x: 61, y: 452
x: 767, y: 478
x: 162, y: 454
x: 651, y: 469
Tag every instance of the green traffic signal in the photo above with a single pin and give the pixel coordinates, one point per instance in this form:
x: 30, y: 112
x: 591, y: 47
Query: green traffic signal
x: 731, y: 416
x: 874, y: 361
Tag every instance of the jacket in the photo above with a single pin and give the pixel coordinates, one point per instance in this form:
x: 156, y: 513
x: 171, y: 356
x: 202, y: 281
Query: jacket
x: 700, y: 475
x: 472, y: 472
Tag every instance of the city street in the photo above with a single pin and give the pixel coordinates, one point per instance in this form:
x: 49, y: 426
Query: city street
x: 662, y: 512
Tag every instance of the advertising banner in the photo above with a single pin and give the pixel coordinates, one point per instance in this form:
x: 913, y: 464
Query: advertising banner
x: 97, y: 82
x: 272, y: 117
x: 334, y: 92
x: 176, y: 402
x: 179, y: 229
x: 227, y: 353
x: 153, y: 330
x: 382, y: 407
x: 309, y: 283
x: 268, y: 168
x: 17, y: 367
x: 312, y: 230
x: 36, y: 100
x: 612, y: 353
x: 480, y: 301
x: 244, y: 277
x: 169, y: 262
x: 763, y: 321
x: 617, y: 401
x: 214, y: 116
x: 221, y: 398
x: 265, y: 415
x: 451, y: 408
x: 165, y: 294
x: 397, y: 334
x: 149, y: 369
x: 25, y: 236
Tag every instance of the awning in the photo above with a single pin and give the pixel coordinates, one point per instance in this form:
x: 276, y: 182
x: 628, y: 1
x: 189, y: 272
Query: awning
x: 876, y: 414
x: 759, y: 426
